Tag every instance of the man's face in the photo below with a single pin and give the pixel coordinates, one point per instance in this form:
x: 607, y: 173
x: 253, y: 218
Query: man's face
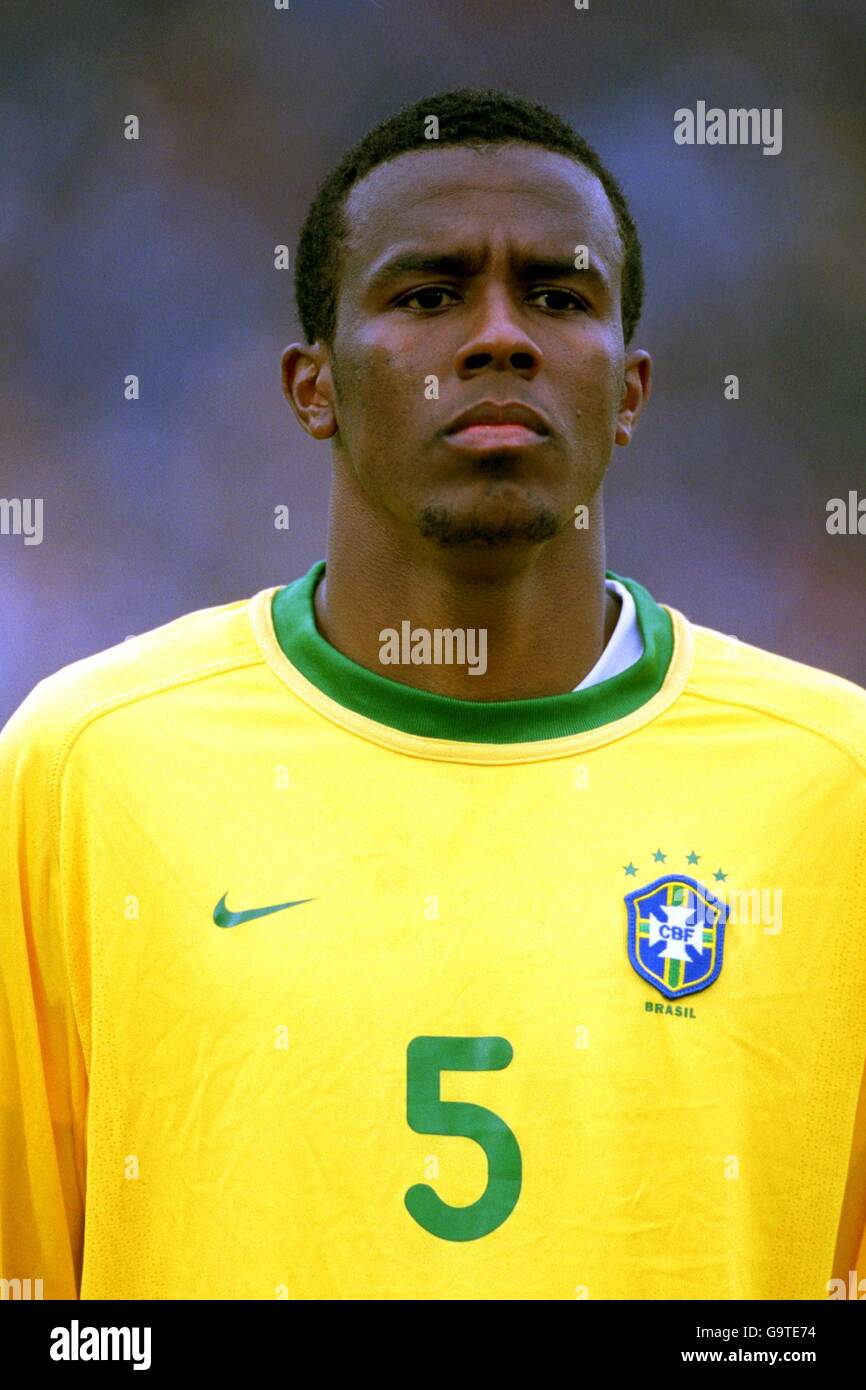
x: 414, y: 347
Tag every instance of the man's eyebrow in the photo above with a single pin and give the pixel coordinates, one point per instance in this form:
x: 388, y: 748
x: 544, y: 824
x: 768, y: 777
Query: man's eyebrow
x: 464, y: 264
x: 561, y: 268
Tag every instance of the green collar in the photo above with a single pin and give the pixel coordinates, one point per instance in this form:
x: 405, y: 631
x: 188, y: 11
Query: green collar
x: 476, y: 721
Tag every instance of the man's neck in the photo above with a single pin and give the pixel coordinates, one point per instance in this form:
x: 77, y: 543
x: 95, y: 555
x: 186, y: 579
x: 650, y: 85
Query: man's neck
x: 546, y: 622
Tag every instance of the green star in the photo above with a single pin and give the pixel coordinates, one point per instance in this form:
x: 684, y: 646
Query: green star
x: 718, y: 874
x: 659, y: 857
x: 630, y: 868
x: 693, y: 858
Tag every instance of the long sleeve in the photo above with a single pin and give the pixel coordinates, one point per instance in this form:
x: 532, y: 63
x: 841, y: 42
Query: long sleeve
x: 43, y: 1079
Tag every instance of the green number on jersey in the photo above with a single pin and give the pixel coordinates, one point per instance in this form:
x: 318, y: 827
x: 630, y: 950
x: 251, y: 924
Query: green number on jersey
x: 427, y: 1114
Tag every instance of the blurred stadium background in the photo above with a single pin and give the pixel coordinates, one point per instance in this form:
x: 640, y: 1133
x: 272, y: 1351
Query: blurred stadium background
x: 156, y: 258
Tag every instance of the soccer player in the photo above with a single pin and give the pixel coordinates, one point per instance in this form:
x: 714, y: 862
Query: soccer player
x: 457, y: 920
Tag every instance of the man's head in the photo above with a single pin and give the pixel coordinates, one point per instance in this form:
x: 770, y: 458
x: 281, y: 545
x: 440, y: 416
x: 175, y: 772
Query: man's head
x: 435, y: 274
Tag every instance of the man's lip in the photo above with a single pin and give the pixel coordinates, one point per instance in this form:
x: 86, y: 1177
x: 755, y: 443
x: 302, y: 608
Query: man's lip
x: 499, y: 413
x: 484, y: 438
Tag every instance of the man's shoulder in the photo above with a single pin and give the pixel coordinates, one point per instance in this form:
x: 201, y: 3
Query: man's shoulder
x: 729, y: 671
x: 195, y: 646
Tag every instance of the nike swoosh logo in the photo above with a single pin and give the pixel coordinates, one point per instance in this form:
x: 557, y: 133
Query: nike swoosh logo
x: 224, y: 918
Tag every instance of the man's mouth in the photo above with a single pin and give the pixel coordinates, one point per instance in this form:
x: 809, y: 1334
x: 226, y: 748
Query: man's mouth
x: 499, y: 414
x: 507, y: 436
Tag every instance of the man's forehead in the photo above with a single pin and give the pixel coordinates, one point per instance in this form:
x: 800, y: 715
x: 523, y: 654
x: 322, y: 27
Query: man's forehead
x: 421, y: 191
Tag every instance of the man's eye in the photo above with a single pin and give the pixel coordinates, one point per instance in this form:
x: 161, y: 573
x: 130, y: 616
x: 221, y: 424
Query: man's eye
x: 570, y: 299
x: 422, y: 294
x: 567, y: 295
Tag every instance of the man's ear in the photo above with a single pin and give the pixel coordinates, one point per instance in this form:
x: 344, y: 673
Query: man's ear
x: 308, y: 386
x: 637, y: 373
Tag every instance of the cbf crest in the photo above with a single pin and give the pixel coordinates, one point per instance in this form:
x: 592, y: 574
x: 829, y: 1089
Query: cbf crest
x: 676, y: 934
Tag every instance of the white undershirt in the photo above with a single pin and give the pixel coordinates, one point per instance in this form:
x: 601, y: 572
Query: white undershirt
x: 626, y: 644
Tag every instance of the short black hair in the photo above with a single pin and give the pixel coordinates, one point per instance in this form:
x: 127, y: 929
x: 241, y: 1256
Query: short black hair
x: 467, y: 116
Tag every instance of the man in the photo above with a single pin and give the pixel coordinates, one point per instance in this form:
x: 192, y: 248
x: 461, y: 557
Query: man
x: 455, y: 921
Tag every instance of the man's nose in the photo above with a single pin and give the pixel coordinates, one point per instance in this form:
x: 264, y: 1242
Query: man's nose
x: 499, y: 336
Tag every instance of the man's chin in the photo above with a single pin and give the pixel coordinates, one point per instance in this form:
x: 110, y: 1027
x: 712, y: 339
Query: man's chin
x: 448, y: 527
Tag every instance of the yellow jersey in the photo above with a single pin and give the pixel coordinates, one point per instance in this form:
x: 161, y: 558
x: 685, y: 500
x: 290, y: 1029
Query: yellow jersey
x: 314, y: 985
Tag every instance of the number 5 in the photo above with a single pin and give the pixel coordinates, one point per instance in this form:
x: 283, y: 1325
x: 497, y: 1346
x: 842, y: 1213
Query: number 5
x: 428, y: 1114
